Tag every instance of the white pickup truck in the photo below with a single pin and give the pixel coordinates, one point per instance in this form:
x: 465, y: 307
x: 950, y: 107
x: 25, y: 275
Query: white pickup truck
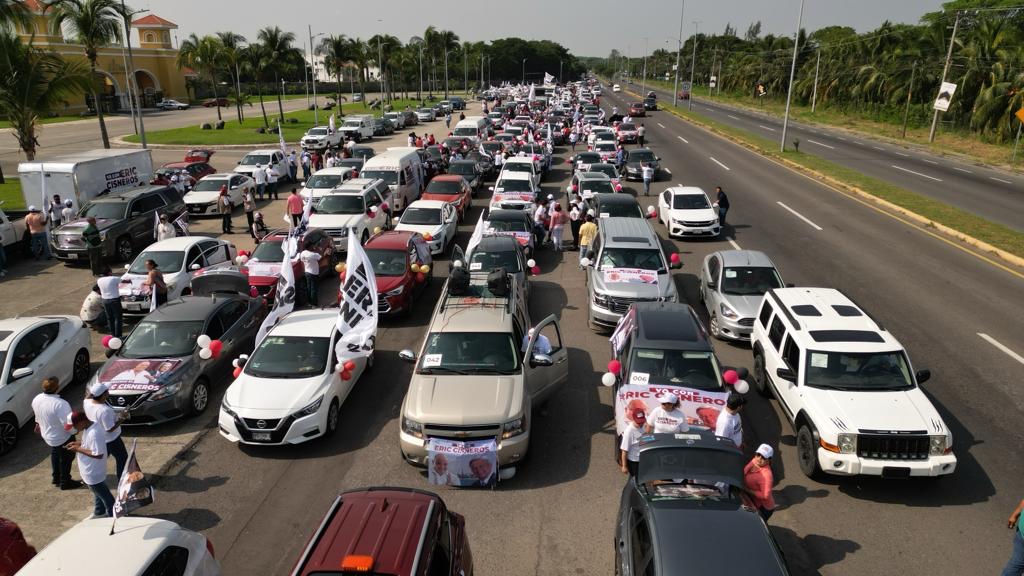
x: 321, y: 138
x: 12, y: 233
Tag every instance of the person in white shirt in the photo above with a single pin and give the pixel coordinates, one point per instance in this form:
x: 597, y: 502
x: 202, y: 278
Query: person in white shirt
x: 540, y: 220
x: 667, y: 418
x: 92, y: 309
x: 97, y: 409
x: 91, y: 454
x: 51, y: 414
x: 647, y: 172
x: 68, y: 213
x: 110, y: 292
x: 332, y: 161
x: 311, y: 270
x: 629, y: 448
x: 164, y: 229
x: 260, y: 176
x: 54, y: 210
x: 272, y: 176
x: 729, y: 425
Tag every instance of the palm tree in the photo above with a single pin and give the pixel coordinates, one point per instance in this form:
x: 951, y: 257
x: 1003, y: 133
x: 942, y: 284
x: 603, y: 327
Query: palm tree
x: 205, y: 55
x: 359, y: 55
x: 93, y: 24
x: 335, y: 51
x: 14, y: 12
x: 384, y: 47
x: 37, y: 83
x: 232, y: 55
x: 278, y: 44
x: 254, y: 59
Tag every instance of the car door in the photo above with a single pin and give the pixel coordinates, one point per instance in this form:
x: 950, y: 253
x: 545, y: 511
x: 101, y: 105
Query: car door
x: 140, y: 217
x: 237, y: 329
x: 664, y: 205
x: 543, y: 381
x: 337, y: 386
x: 709, y: 284
x: 451, y: 222
x: 773, y: 354
x: 236, y: 188
x: 215, y: 254
x: 789, y: 391
x: 39, y: 350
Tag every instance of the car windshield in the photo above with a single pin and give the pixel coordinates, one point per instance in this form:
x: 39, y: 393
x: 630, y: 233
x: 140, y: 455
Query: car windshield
x: 690, y: 368
x: 209, y: 185
x: 748, y: 281
x: 627, y: 126
x: 162, y: 339
x: 167, y: 261
x: 421, y: 216
x: 689, y: 202
x: 621, y: 210
x: 507, y: 259
x: 341, y: 204
x: 597, y: 187
x: 465, y: 131
x: 390, y: 177
x: 356, y: 163
x: 387, y: 262
x: 444, y: 187
x: 519, y: 167
x: 641, y: 156
x: 858, y: 371
x: 469, y: 353
x: 462, y: 168
x: 317, y: 132
x: 641, y: 258
x: 424, y: 110
x: 509, y: 226
x: 362, y: 152
x: 588, y: 157
x: 512, y: 185
x: 352, y: 123
x: 254, y: 159
x: 324, y: 181
x: 694, y: 489
x: 289, y: 357
x: 268, y: 251
x: 104, y: 210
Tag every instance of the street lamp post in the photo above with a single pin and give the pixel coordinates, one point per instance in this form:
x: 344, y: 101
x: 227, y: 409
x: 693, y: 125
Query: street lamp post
x: 643, y: 80
x: 524, y: 71
x: 305, y: 72
x: 419, y: 42
x: 446, y: 74
x: 559, y: 70
x: 675, y: 92
x: 792, y: 73
x: 693, y: 65
x: 312, y: 62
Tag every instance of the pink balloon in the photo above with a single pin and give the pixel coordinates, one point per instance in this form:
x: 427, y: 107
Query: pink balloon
x: 237, y: 372
x: 614, y: 366
x: 106, y: 341
x: 349, y: 365
x: 730, y: 377
x: 674, y: 258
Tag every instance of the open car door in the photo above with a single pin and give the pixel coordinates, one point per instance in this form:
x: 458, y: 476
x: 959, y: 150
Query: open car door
x: 545, y: 360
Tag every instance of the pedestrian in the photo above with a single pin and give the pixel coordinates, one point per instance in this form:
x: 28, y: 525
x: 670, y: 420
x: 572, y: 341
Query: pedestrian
x: 723, y: 204
x: 540, y: 219
x: 51, y: 414
x: 573, y: 137
x: 36, y: 223
x: 641, y: 131
x: 293, y: 166
x: 109, y: 286
x: 1015, y: 567
x: 260, y: 176
x: 758, y: 480
x: 647, y: 173
x: 575, y: 221
x: 317, y: 161
x: 447, y: 120
x: 462, y: 116
x: 667, y: 418
x: 330, y: 162
x: 165, y: 229
x: 3, y: 262
x: 53, y: 210
x: 92, y: 310
x: 295, y: 207
x: 558, y: 220
x: 67, y: 214
x: 311, y: 272
x: 91, y: 455
x: 272, y: 177
x: 620, y: 157
x: 419, y: 142
x: 410, y: 141
x: 259, y: 229
x: 248, y: 205
x: 588, y: 230
x: 97, y: 409
x: 224, y: 207
x: 155, y: 281
x: 729, y: 425
x: 306, y: 160
x: 629, y: 448
x: 93, y: 244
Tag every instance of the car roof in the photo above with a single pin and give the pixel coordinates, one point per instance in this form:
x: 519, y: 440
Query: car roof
x: 127, y: 194
x: 428, y: 204
x: 390, y: 240
x: 687, y: 190
x: 454, y: 162
x: 316, y: 322
x: 223, y: 176
x: 510, y: 175
x: 704, y: 528
x: 178, y: 243
x: 183, y: 164
x: 584, y: 176
x: 669, y: 326
x: 625, y: 232
x: 188, y: 308
x: 827, y: 319
x: 10, y: 327
x: 497, y: 244
x: 507, y: 215
x: 751, y: 258
x: 338, y: 171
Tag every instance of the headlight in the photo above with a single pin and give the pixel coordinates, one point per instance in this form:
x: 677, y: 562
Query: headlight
x: 513, y: 427
x: 103, y: 236
x: 939, y: 445
x: 728, y: 312
x: 412, y: 427
x: 167, y: 391
x: 343, y: 232
x: 396, y: 291
x: 847, y: 443
x: 310, y: 408
x: 226, y: 408
x: 601, y: 300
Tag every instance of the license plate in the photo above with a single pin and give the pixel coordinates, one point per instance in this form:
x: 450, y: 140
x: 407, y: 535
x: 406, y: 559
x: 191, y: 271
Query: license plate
x: 895, y: 472
x: 193, y: 209
x: 132, y: 306
x: 261, y: 436
x: 72, y: 256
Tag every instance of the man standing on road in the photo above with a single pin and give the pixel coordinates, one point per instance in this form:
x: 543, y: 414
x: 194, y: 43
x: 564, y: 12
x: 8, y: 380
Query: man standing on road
x: 164, y: 229
x: 295, y: 207
x: 109, y: 285
x: 52, y: 413
x: 641, y: 131
x: 1015, y: 567
x: 758, y: 479
x: 447, y: 120
x: 575, y: 221
x: 93, y: 245
x: 272, y: 177
x: 573, y: 137
x: 293, y: 166
x: 97, y: 409
x: 729, y: 425
x: 306, y: 164
x: 723, y: 204
x: 311, y: 268
x: 54, y: 210
x: 225, y: 206
x: 587, y: 232
x: 260, y: 176
x: 36, y: 222
x: 248, y: 205
x: 91, y: 454
x: 647, y: 172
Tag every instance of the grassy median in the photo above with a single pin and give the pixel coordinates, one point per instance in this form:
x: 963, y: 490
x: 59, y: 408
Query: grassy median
x: 10, y: 193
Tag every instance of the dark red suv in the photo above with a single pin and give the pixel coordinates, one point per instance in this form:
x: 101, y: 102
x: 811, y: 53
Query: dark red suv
x: 392, y: 254
x: 388, y: 530
x: 14, y: 550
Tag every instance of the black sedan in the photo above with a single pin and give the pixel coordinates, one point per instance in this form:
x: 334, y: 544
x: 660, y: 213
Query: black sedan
x: 635, y: 159
x: 469, y: 170
x: 690, y: 486
x: 383, y: 127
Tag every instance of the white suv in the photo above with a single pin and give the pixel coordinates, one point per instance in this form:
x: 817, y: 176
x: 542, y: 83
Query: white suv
x: 848, y: 388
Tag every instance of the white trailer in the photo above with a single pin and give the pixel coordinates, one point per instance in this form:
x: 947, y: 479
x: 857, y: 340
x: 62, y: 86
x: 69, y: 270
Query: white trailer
x: 84, y: 175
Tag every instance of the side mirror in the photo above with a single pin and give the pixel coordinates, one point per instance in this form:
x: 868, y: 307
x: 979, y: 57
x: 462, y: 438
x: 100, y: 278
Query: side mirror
x: 658, y: 158
x: 21, y: 373
x: 711, y: 284
x: 194, y: 267
x: 923, y: 376
x: 786, y: 374
x: 541, y: 360
x: 790, y: 285
x: 407, y: 355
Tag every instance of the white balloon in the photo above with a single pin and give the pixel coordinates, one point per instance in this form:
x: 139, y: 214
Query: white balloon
x: 373, y: 209
x: 339, y: 367
x: 242, y: 259
x: 203, y: 341
x: 650, y: 209
x: 243, y: 356
x: 531, y: 263
x: 235, y: 362
x: 741, y: 387
x: 205, y: 353
x: 585, y: 262
x: 115, y: 343
x: 608, y: 379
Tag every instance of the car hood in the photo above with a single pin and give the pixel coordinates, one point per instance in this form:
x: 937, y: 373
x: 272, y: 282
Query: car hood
x: 79, y: 225
x: 693, y: 215
x: 201, y: 197
x: 335, y: 220
x: 745, y: 305
x: 432, y: 229
x: 282, y: 396
x: 885, y: 411
x: 464, y: 400
x: 604, y: 284
x: 385, y: 283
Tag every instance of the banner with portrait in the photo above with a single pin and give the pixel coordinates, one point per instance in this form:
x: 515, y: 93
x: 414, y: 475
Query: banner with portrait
x: 462, y: 463
x: 138, y: 375
x: 133, y: 488
x: 636, y: 399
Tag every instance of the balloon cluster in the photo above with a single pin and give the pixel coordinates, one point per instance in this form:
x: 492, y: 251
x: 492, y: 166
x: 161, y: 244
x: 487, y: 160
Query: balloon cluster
x: 242, y: 257
x: 428, y: 236
x: 111, y: 343
x: 345, y: 369
x: 209, y: 348
x: 532, y: 264
x: 340, y: 268
x: 237, y: 363
x: 651, y: 212
x: 732, y: 378
x: 420, y: 270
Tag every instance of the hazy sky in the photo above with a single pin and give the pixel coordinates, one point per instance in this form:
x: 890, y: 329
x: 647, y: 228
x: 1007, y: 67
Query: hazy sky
x: 585, y: 27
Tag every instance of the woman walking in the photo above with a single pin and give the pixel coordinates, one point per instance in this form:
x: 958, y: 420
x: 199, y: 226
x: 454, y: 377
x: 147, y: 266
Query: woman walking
x: 225, y: 206
x: 558, y: 220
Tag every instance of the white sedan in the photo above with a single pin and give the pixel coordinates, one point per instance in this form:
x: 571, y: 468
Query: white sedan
x: 31, y: 349
x: 202, y: 199
x: 616, y: 88
x: 289, y: 390
x: 179, y: 259
x: 138, y: 546
x: 686, y: 211
x: 436, y: 220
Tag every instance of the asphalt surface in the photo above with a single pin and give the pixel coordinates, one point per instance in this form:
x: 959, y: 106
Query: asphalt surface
x: 987, y: 192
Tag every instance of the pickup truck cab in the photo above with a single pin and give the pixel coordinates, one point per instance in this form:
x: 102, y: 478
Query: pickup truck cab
x: 320, y: 138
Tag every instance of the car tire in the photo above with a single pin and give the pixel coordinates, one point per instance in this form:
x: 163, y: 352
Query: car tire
x: 761, y: 376
x: 714, y: 326
x: 807, y: 452
x: 81, y: 370
x: 333, y: 417
x: 8, y: 433
x: 199, y: 397
x: 123, y: 249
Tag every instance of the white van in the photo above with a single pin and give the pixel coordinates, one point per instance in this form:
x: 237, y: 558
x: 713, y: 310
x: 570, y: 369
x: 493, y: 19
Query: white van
x: 402, y: 170
x: 474, y: 127
x: 357, y: 127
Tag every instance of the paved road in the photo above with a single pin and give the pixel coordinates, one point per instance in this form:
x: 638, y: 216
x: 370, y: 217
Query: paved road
x: 989, y: 193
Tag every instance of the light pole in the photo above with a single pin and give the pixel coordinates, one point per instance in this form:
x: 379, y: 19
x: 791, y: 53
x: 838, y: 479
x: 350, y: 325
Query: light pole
x: 446, y: 53
x: 792, y: 73
x: 945, y: 70
x: 675, y: 92
x: 465, y: 70
x: 419, y: 42
x: 312, y: 62
x: 489, y: 70
x: 559, y: 70
x: 305, y: 72
x: 524, y: 71
x: 131, y: 65
x: 643, y: 79
x: 693, y: 65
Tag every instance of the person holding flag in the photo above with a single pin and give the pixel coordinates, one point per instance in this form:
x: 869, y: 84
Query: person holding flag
x: 284, y: 302
x: 133, y: 489
x: 163, y: 229
x: 357, y: 315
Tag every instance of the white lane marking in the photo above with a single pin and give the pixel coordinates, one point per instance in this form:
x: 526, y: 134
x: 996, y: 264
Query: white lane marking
x: 660, y: 124
x: 879, y: 148
x: 734, y: 244
x: 858, y: 142
x: 709, y: 109
x: 766, y: 127
x: 1000, y: 346
x: 1000, y: 180
x: 962, y: 170
x: 731, y: 116
x: 930, y: 161
x: 800, y: 216
x: 683, y: 139
x: 841, y: 138
x: 719, y: 163
x: 902, y: 154
x: 820, y: 144
x: 916, y: 173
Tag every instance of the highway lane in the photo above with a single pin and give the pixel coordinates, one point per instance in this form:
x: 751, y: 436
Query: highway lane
x: 992, y: 194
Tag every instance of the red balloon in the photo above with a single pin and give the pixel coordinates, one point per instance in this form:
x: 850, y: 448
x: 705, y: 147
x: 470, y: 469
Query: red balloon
x: 349, y: 365
x: 346, y: 375
x: 420, y: 277
x: 674, y: 258
x: 216, y: 353
x: 730, y: 377
x: 216, y: 346
x: 614, y: 366
x: 106, y: 341
x: 341, y: 276
x: 535, y: 270
x: 237, y: 372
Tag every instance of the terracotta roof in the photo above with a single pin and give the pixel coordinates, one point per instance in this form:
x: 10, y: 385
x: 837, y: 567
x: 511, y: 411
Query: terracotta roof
x: 34, y: 5
x: 152, y: 20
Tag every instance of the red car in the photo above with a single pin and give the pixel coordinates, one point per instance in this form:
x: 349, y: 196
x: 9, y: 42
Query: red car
x: 14, y: 550
x: 450, y: 188
x: 388, y: 530
x: 195, y: 170
x: 637, y: 109
x: 199, y: 155
x: 264, y: 265
x: 221, y: 102
x: 393, y: 253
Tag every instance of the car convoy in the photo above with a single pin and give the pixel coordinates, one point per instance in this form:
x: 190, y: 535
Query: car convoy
x: 484, y: 366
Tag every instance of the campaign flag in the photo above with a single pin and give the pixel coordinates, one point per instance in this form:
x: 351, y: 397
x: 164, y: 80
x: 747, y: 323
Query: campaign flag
x: 181, y: 222
x: 330, y: 124
x: 45, y: 206
x: 945, y: 96
x: 462, y: 463
x: 156, y: 225
x: 284, y: 301
x: 478, y: 235
x: 548, y: 78
x: 357, y: 315
x: 133, y: 488
x: 533, y: 92
x: 280, y: 138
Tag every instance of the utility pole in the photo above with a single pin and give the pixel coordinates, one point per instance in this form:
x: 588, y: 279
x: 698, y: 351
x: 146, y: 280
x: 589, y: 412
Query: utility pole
x: 711, y: 72
x: 559, y: 70
x: 814, y: 94
x: 524, y: 71
x: 446, y: 74
x: 643, y: 79
x: 131, y: 64
x: 945, y: 71
x: 910, y: 91
x: 693, y: 65
x: 719, y: 87
x: 792, y: 73
x: 312, y: 63
x: 305, y: 72
x: 679, y: 49
x: 465, y: 70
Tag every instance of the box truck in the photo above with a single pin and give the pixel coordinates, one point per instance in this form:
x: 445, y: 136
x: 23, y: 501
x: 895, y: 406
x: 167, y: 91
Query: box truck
x: 82, y: 176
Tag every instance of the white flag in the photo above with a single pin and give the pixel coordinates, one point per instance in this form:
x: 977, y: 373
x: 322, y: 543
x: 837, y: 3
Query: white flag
x: 357, y: 316
x: 533, y: 92
x: 45, y: 206
x: 548, y: 78
x: 330, y: 124
x: 280, y: 138
x: 182, y: 223
x: 284, y: 300
x: 478, y: 235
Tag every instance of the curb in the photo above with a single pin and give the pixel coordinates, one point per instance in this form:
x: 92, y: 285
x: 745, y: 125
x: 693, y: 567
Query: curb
x: 921, y: 221
x: 120, y: 142
x: 166, y: 466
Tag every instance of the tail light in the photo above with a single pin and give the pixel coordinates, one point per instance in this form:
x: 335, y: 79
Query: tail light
x: 209, y: 548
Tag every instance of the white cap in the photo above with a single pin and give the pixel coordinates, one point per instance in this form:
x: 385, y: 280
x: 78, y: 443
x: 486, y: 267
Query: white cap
x: 98, y: 389
x: 765, y: 450
x: 668, y: 398
x: 33, y: 208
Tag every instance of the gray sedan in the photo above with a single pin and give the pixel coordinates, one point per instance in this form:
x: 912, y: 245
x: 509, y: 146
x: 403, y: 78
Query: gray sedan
x: 732, y: 283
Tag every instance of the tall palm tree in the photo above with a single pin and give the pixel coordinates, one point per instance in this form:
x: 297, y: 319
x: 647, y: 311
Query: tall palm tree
x: 359, y: 54
x: 14, y: 12
x: 278, y: 44
x: 232, y: 55
x: 36, y: 84
x: 93, y: 24
x: 254, y: 58
x: 204, y: 55
x: 384, y: 47
x: 335, y: 51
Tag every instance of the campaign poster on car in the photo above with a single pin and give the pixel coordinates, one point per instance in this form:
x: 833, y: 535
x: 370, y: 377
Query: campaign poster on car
x: 462, y: 463
x: 133, y: 489
x: 637, y: 398
x: 138, y: 375
x: 512, y: 197
x: 630, y: 275
x: 258, y: 268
